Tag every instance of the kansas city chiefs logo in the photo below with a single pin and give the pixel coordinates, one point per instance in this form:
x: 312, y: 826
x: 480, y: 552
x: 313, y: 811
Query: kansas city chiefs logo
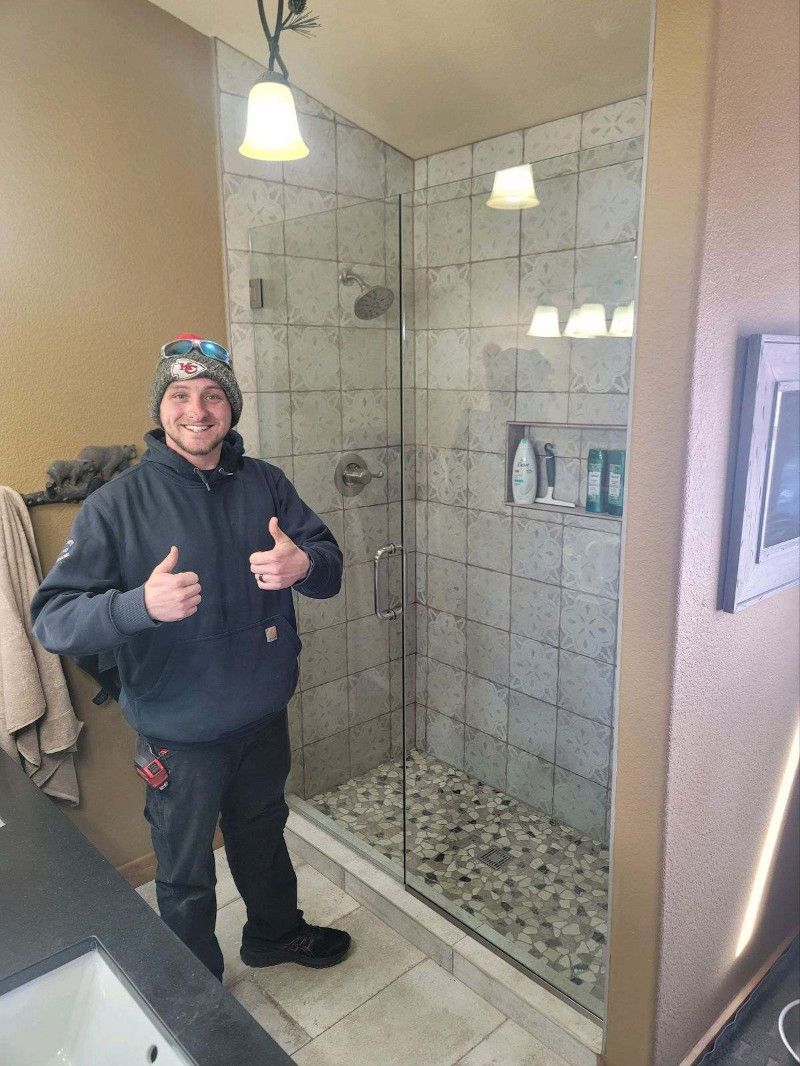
x: 185, y: 368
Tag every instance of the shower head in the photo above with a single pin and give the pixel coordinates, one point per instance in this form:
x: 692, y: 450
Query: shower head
x: 374, y: 299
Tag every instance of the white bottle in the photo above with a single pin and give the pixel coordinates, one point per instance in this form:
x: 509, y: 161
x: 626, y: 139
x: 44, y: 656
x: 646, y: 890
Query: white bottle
x: 523, y: 473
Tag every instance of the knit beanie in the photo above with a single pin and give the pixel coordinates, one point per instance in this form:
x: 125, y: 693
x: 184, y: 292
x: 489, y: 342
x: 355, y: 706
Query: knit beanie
x: 194, y: 365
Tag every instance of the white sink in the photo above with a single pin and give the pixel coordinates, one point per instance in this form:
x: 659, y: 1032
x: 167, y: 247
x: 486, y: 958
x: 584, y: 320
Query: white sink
x: 82, y: 1013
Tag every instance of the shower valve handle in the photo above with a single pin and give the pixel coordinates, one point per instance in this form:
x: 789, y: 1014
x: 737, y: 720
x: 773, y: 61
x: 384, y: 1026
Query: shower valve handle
x: 354, y: 474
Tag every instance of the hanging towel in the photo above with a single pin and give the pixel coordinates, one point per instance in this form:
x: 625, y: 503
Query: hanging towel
x: 37, y: 723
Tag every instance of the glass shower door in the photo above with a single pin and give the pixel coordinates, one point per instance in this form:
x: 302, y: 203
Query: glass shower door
x: 320, y: 308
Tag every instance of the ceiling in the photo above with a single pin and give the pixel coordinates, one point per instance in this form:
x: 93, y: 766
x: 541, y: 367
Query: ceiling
x: 426, y: 75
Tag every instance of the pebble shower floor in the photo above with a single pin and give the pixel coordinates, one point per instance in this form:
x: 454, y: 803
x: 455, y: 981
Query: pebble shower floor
x: 539, y: 884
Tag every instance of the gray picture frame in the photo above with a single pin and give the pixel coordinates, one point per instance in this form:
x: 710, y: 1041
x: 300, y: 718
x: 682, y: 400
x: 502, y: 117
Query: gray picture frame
x: 763, y: 550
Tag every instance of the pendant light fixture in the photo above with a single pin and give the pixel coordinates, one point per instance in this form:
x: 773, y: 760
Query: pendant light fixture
x: 513, y: 189
x: 544, y: 322
x: 272, y: 131
x: 622, y: 321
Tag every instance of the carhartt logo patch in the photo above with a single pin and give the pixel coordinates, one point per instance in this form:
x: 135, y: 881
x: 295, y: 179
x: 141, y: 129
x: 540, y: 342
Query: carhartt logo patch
x: 185, y: 368
x: 272, y: 633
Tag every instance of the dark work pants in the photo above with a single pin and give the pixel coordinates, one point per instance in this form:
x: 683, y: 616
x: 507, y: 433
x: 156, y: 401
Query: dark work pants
x: 243, y: 781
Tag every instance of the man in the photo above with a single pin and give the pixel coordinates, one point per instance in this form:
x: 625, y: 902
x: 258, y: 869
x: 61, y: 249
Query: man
x: 183, y: 567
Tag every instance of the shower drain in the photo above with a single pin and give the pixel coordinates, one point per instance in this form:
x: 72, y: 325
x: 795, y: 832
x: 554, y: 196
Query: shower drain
x: 495, y: 857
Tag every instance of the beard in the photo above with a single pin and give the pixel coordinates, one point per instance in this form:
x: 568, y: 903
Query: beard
x: 196, y: 447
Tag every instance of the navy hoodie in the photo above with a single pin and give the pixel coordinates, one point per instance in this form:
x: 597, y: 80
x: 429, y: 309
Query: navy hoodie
x: 234, y: 662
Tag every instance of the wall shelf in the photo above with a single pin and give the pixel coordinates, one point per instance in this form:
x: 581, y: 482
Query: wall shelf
x: 571, y: 442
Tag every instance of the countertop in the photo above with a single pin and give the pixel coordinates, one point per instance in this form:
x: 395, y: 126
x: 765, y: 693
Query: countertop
x: 56, y: 889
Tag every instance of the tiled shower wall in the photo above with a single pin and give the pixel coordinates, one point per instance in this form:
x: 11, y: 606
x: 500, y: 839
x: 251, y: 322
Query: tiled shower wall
x: 518, y: 607
x: 318, y: 382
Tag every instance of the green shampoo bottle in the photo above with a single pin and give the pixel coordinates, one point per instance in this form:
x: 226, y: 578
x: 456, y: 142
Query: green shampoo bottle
x: 616, y: 482
x: 598, y: 463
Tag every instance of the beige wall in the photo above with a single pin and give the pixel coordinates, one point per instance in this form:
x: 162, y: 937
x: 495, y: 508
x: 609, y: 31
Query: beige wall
x: 110, y: 238
x: 708, y: 700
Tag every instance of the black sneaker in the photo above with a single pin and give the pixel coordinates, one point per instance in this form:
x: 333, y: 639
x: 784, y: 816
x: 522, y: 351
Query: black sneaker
x: 307, y: 945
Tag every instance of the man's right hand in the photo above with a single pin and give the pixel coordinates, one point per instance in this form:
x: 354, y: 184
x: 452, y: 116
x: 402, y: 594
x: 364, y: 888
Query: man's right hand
x: 170, y: 597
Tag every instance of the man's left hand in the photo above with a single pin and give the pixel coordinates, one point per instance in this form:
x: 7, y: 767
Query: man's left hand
x: 281, y: 567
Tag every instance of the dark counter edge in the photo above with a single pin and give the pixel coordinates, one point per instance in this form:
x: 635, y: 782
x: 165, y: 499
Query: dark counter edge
x: 56, y: 890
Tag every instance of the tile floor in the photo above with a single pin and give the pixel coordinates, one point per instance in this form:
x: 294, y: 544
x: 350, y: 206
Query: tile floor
x: 385, y: 1003
x: 548, y: 899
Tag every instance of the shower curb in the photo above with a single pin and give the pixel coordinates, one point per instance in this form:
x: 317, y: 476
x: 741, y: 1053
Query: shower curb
x: 577, y: 1039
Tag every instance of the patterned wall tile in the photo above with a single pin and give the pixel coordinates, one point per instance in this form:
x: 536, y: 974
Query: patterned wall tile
x: 542, y: 407
x: 450, y: 166
x: 369, y: 745
x: 615, y: 152
x: 312, y: 292
x: 495, y: 234
x: 486, y: 481
x: 599, y: 408
x: 448, y: 419
x: 270, y: 344
x: 451, y: 190
x: 543, y: 363
x: 488, y: 597
x: 447, y: 581
x: 487, y: 706
x: 326, y: 763
x: 586, y: 686
x: 546, y: 279
x: 601, y: 364
x: 583, y: 746
x: 579, y: 803
x: 362, y: 233
x: 318, y: 169
x: 365, y: 530
x: 550, y: 227
x: 447, y: 476
x: 448, y: 296
x: 553, y: 138
x: 445, y: 738
x: 447, y: 638
x: 534, y: 668
x: 274, y: 422
x: 487, y: 652
x: 448, y: 232
x: 318, y: 614
x: 485, y: 758
x: 494, y: 292
x: 589, y: 625
x: 363, y: 358
x: 537, y: 549
x: 488, y: 414
x: 364, y: 418
x: 535, y: 608
x: 360, y: 164
x: 497, y: 153
x: 447, y: 532
x: 249, y: 202
x: 605, y: 274
x: 530, y: 779
x: 298, y: 203
x: 369, y: 694
x: 489, y: 540
x: 493, y: 357
x: 399, y: 172
x: 325, y: 710
x: 313, y: 359
x: 614, y: 122
x: 314, y: 480
x: 316, y: 421
x: 448, y: 358
x: 420, y: 173
x: 608, y: 203
x: 324, y: 656
x: 591, y: 561
x: 312, y: 236
x: 446, y: 689
x: 367, y: 644
x: 532, y: 725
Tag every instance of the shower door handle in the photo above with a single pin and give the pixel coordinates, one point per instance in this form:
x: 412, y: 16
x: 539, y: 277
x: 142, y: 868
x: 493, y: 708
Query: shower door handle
x: 382, y: 553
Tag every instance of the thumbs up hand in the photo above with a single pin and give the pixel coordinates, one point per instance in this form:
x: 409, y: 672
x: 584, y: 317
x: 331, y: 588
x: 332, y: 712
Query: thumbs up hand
x: 283, y: 565
x: 169, y: 597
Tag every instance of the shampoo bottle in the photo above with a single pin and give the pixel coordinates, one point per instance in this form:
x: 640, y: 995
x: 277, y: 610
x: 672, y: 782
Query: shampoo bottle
x: 523, y: 473
x: 616, y: 482
x: 598, y: 468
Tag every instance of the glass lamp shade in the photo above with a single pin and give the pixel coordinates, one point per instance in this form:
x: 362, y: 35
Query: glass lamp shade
x: 544, y: 322
x: 593, y: 320
x: 513, y: 189
x: 272, y: 132
x: 622, y: 321
x: 582, y: 324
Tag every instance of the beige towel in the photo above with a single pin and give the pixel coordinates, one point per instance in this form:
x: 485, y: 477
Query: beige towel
x: 37, y: 723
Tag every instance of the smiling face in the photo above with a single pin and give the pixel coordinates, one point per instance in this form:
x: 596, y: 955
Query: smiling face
x: 196, y: 415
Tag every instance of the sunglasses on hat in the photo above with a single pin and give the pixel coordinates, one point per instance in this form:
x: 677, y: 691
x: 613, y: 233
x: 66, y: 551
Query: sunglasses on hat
x: 184, y: 345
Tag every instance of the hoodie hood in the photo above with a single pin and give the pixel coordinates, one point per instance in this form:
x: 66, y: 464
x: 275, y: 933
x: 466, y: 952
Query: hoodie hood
x: 159, y: 452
